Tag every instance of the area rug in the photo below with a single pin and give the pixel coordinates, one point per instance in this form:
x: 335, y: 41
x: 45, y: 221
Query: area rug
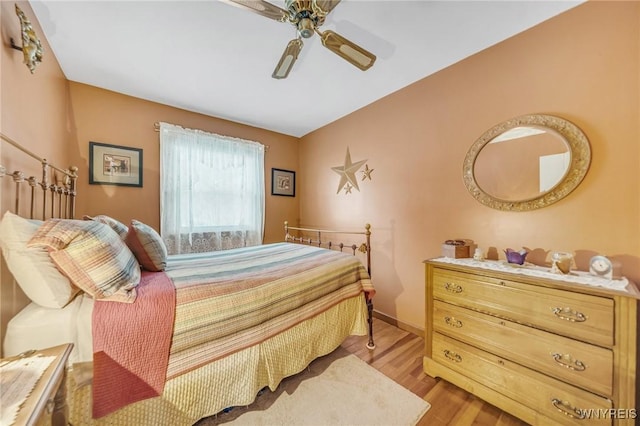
x: 337, y: 389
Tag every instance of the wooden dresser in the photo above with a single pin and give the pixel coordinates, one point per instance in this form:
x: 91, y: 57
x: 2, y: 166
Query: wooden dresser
x: 544, y: 350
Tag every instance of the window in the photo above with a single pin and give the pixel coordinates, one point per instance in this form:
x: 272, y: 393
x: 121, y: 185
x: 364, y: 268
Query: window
x: 211, y: 191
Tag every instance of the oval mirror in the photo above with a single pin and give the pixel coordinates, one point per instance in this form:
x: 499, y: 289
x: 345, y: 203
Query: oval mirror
x: 526, y: 163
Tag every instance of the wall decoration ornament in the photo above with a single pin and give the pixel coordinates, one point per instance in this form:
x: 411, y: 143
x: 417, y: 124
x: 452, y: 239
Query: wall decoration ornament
x: 347, y: 174
x: 348, y: 188
x: 31, y: 47
x: 366, y: 173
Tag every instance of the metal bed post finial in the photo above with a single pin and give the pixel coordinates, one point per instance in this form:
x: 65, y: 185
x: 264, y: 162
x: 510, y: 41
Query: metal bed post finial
x: 52, y: 188
x: 73, y: 178
x: 367, y: 234
x: 370, y: 344
x: 32, y: 183
x: 18, y: 178
x: 60, y: 191
x: 44, y: 184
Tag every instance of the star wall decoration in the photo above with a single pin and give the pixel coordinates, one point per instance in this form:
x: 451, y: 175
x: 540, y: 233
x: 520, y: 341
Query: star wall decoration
x: 347, y: 188
x: 348, y: 172
x: 366, y: 173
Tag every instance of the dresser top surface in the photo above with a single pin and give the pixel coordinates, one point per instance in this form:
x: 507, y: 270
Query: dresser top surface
x: 576, y: 281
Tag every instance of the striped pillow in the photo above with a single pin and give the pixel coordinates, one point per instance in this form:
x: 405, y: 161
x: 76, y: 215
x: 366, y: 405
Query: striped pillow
x: 92, y: 255
x: 116, y: 225
x: 147, y: 245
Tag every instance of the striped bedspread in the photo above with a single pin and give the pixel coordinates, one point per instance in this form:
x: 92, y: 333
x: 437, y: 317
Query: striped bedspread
x: 229, y: 300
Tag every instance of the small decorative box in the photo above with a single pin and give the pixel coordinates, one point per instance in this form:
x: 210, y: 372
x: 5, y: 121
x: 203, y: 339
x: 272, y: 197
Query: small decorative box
x: 455, y: 251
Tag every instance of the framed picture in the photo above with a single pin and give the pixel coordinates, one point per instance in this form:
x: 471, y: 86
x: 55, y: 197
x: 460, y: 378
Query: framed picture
x: 283, y: 182
x: 114, y: 165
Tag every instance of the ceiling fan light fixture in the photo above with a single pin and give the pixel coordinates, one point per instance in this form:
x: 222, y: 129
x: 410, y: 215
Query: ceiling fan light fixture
x: 287, y: 59
x: 306, y: 27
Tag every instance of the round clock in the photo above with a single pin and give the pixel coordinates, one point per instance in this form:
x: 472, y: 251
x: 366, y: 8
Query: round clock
x: 601, y: 267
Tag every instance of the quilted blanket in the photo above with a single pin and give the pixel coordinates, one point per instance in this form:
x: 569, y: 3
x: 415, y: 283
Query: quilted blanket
x: 229, y: 300
x: 130, y: 345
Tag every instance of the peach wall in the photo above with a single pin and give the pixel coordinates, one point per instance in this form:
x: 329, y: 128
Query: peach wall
x: 583, y: 65
x: 34, y: 112
x: 109, y: 117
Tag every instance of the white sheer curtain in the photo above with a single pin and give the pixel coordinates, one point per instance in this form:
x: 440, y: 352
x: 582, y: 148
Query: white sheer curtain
x: 211, y: 191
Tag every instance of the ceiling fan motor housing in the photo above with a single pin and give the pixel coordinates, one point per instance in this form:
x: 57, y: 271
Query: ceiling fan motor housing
x: 305, y: 15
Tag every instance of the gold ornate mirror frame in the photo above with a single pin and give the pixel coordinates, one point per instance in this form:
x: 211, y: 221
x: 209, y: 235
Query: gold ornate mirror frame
x: 579, y: 149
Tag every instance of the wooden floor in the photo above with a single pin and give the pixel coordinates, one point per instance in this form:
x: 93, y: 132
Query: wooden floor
x: 398, y: 354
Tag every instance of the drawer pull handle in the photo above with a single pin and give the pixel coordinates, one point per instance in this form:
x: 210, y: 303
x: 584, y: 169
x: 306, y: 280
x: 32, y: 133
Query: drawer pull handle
x: 567, y: 409
x: 575, y: 365
x: 453, y: 322
x: 452, y: 355
x: 569, y: 314
x: 453, y: 288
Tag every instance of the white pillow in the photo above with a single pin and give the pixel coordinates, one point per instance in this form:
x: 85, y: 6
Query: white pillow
x: 32, y: 268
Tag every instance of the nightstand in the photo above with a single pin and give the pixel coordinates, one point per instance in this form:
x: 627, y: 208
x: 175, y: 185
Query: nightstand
x: 46, y: 405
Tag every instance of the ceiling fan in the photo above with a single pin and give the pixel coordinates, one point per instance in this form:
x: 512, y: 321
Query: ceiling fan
x: 307, y: 16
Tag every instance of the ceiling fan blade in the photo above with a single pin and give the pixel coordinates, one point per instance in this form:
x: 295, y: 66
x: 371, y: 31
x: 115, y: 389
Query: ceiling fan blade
x: 288, y: 58
x: 349, y: 51
x: 327, y: 5
x: 261, y: 7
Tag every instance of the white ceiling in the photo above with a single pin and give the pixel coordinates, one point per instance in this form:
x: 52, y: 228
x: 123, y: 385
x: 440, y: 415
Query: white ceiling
x: 216, y: 59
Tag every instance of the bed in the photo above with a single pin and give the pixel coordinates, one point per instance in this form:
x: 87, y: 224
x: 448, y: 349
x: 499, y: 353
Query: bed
x: 172, y: 339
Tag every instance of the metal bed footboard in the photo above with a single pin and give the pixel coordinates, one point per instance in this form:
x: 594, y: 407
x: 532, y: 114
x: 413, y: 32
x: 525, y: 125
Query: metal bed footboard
x: 319, y: 241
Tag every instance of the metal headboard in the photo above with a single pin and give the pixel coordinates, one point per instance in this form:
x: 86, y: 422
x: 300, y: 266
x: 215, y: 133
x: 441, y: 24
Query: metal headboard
x: 57, y: 186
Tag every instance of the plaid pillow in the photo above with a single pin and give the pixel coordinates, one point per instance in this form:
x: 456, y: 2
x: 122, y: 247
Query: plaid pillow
x: 92, y: 255
x: 119, y: 227
x: 147, y: 245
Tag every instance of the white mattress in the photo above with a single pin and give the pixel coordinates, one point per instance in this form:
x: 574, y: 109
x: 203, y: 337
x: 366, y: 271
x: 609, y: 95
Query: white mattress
x: 35, y: 327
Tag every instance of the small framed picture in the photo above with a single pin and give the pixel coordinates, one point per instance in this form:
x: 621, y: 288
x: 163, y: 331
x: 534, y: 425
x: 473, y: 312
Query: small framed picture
x: 114, y: 165
x: 283, y: 182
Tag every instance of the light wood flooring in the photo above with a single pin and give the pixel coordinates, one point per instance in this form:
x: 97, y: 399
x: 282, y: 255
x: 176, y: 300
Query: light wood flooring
x: 398, y: 354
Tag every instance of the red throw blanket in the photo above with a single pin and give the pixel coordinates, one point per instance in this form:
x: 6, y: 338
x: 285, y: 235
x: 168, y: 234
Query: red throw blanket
x: 128, y: 365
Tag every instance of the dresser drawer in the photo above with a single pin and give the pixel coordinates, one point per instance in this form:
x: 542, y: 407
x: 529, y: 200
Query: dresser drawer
x: 551, y: 398
x: 582, y: 364
x: 580, y: 316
